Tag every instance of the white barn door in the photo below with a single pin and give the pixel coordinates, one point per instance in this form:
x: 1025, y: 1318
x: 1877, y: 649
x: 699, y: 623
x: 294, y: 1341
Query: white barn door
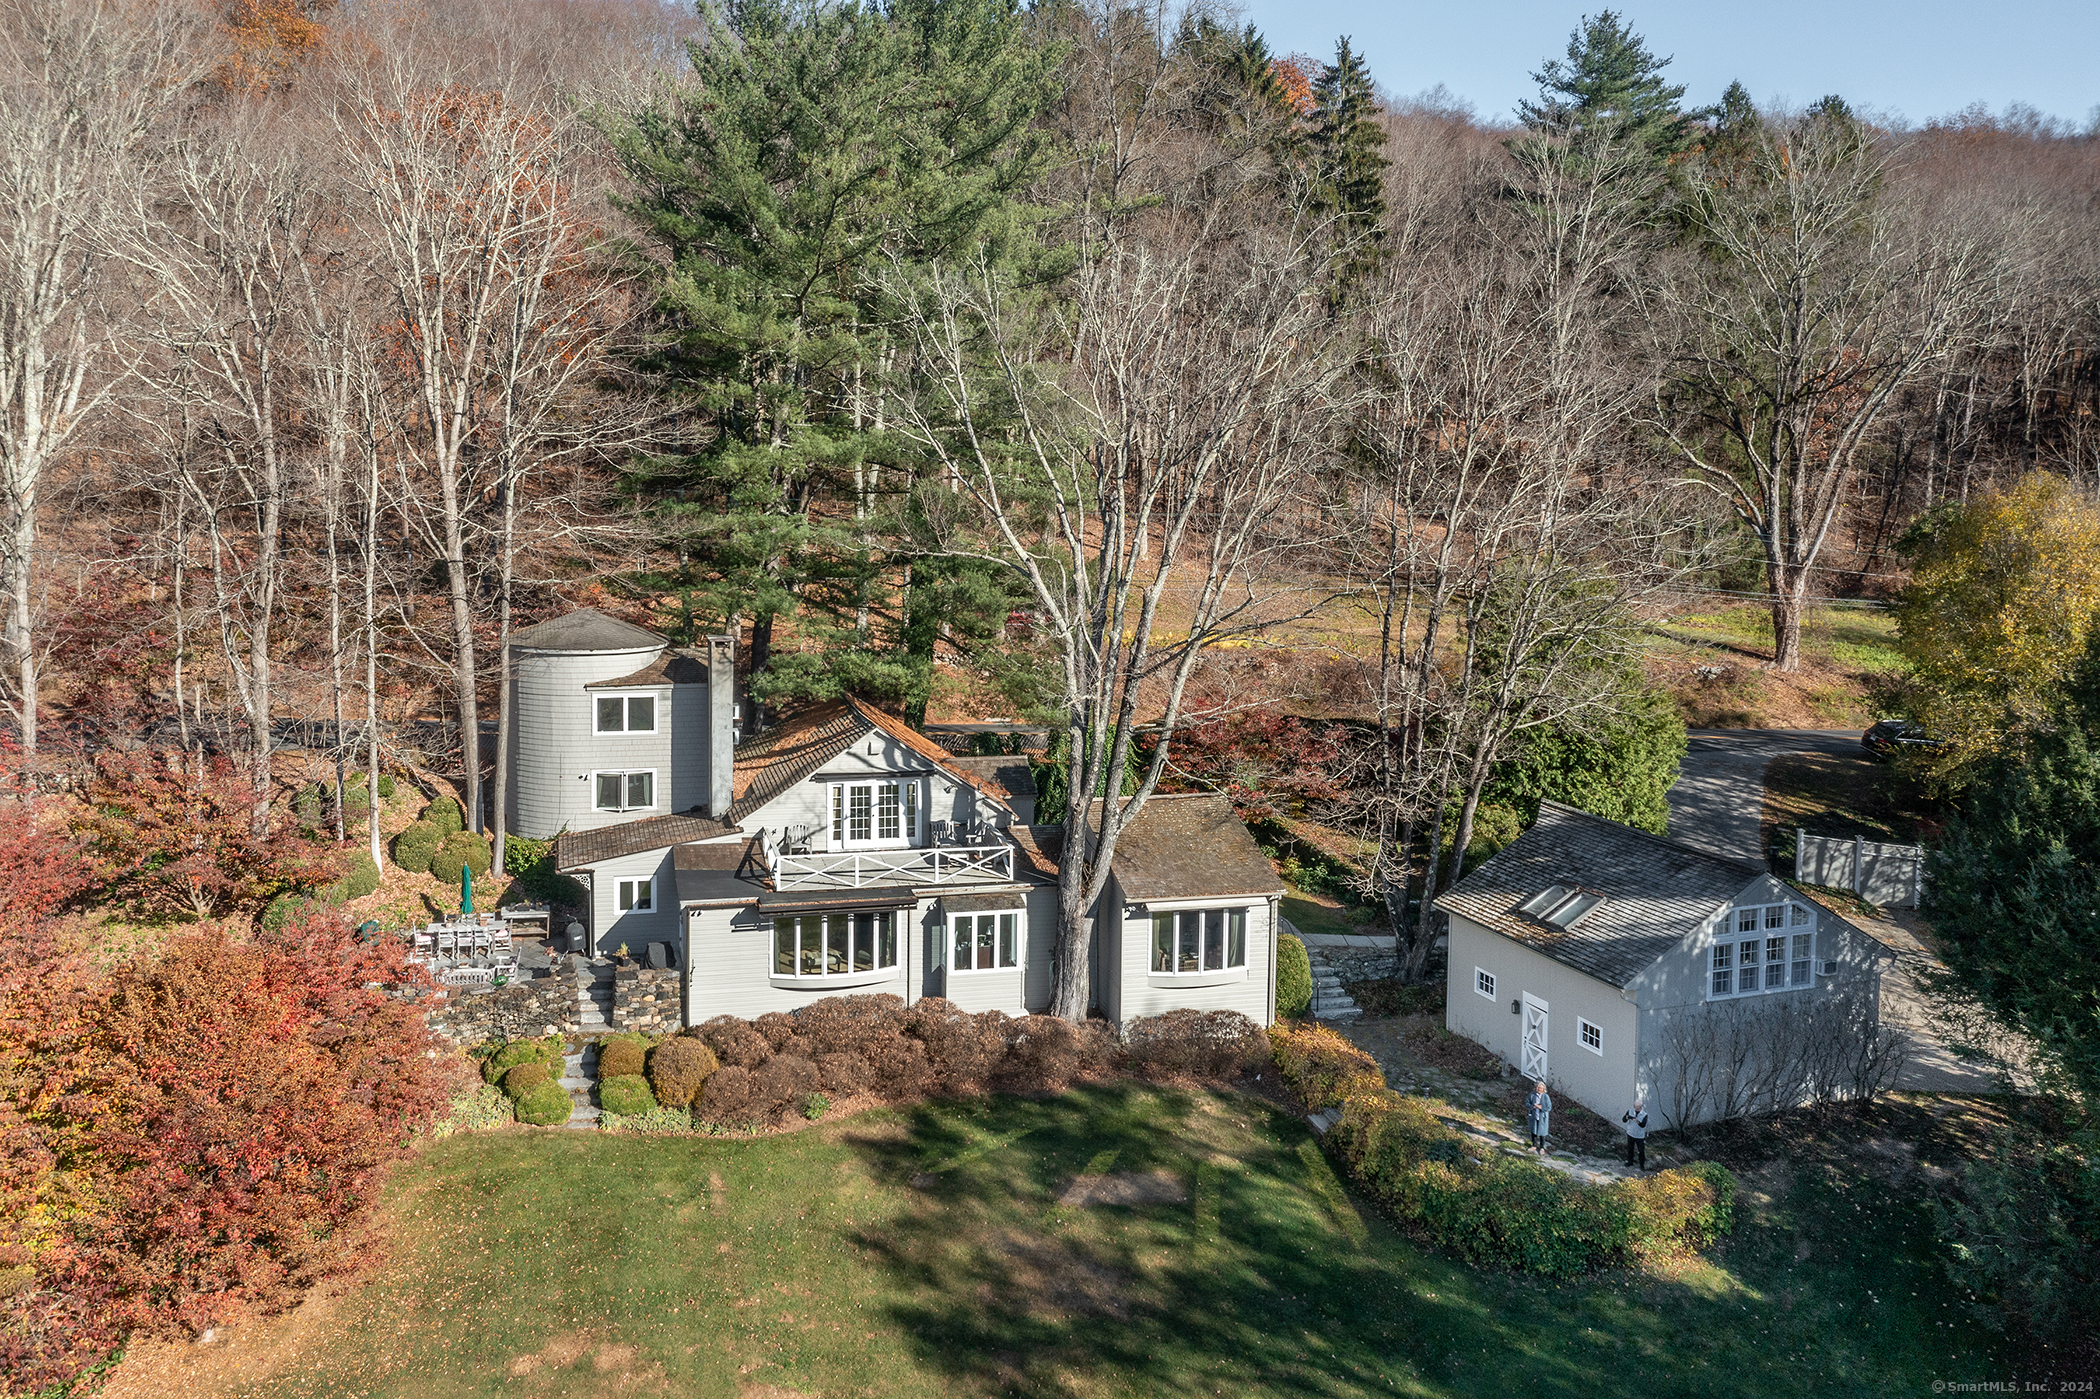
x: 1534, y: 1064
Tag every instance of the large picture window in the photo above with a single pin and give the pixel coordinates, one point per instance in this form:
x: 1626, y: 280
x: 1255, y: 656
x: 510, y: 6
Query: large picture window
x: 874, y: 814
x: 983, y: 942
x: 626, y: 714
x: 834, y: 944
x: 1197, y: 940
x: 1763, y: 948
x: 624, y: 791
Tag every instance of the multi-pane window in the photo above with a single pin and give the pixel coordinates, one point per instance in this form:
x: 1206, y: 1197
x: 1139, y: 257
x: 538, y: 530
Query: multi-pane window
x: 1772, y: 949
x: 624, y: 791
x: 1199, y: 940
x: 834, y: 944
x: 637, y: 895
x: 1592, y: 1037
x: 983, y: 942
x: 626, y: 714
x: 1484, y: 983
x: 874, y: 813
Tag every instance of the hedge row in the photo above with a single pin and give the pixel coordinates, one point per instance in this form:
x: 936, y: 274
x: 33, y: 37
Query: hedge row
x: 529, y: 1072
x: 738, y: 1073
x: 1500, y: 1210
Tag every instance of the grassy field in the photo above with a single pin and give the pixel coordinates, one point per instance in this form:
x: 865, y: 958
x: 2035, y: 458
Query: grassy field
x: 1709, y: 658
x: 924, y: 1251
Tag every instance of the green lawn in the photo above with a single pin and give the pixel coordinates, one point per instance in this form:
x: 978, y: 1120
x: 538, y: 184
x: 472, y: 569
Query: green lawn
x: 922, y: 1251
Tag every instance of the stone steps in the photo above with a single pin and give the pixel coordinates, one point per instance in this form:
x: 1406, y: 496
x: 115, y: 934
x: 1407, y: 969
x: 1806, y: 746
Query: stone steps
x: 1330, y: 1002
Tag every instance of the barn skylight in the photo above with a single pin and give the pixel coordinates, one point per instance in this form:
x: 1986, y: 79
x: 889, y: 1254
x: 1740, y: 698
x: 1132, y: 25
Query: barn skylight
x: 1561, y: 906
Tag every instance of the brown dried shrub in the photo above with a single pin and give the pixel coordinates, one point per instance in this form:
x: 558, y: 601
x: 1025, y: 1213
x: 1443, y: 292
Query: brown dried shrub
x: 618, y: 1058
x: 679, y: 1068
x: 963, y: 1049
x: 798, y: 1046
x: 897, y: 1063
x: 777, y: 1026
x: 844, y: 1074
x: 781, y: 1080
x: 1209, y: 1043
x: 845, y: 1024
x: 735, y: 1043
x: 728, y: 1098
x: 1043, y: 1054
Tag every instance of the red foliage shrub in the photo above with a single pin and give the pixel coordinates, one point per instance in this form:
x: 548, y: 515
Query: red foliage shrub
x: 43, y: 866
x: 1212, y: 1043
x: 225, y: 1114
x: 1270, y: 764
x: 778, y: 1027
x: 735, y: 1043
x: 172, y: 835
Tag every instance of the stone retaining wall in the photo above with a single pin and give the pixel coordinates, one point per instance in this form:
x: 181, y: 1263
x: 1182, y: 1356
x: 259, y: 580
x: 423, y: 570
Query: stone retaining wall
x: 1359, y: 964
x: 647, y: 1000
x: 545, y: 1005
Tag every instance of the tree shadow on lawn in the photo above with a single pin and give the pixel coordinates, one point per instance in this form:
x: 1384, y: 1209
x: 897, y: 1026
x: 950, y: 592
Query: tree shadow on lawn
x: 1269, y: 1278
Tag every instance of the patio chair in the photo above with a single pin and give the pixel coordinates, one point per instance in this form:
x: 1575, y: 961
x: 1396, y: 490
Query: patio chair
x: 447, y: 943
x: 943, y: 832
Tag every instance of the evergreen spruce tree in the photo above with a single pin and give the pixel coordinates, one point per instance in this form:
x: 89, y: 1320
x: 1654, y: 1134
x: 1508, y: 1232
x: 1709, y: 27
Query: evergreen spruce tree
x: 1348, y: 155
x: 814, y: 145
x: 1610, y: 87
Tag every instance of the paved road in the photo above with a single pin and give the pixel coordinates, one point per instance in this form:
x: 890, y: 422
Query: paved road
x: 1720, y: 792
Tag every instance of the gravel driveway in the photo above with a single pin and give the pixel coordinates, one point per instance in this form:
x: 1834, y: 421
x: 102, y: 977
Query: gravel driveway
x: 1719, y: 797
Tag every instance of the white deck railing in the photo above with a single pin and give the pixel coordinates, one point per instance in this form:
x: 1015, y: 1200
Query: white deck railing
x: 852, y: 869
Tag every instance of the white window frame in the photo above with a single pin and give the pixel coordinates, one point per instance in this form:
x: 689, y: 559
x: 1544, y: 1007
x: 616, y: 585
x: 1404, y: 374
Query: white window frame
x: 893, y: 802
x: 1484, y: 984
x: 1232, y: 930
x: 1585, y: 1029
x: 636, y: 895
x: 624, y: 774
x: 884, y: 940
x: 1009, y: 930
x: 1763, y: 937
x: 656, y: 709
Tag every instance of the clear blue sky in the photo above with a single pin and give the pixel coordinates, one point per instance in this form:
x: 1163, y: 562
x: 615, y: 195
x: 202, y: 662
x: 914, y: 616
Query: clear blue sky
x: 1914, y: 60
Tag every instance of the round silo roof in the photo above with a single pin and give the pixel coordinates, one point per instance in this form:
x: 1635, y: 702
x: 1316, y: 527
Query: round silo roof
x: 586, y: 629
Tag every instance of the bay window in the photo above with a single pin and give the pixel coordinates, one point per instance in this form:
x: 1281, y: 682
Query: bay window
x: 834, y: 944
x: 1197, y: 940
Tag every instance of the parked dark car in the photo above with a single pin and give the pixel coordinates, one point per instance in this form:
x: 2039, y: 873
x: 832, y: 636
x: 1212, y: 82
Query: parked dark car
x: 1889, y: 737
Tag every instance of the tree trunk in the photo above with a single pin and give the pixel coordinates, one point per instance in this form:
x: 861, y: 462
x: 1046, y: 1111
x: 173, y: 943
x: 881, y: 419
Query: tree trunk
x: 1786, y: 624
x: 507, y: 571
x: 21, y: 654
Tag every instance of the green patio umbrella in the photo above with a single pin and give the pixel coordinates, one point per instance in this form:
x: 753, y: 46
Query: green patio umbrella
x: 466, y: 888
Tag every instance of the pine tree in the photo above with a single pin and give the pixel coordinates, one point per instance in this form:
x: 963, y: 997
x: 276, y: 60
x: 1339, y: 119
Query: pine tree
x: 1348, y: 155
x: 1610, y: 87
x: 815, y: 145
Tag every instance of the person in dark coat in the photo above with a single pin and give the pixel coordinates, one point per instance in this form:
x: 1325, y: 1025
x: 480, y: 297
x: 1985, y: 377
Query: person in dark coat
x: 1636, y: 1120
x: 1539, y: 1108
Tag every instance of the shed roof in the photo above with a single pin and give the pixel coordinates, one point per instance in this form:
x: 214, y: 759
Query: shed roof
x: 575, y: 849
x: 1003, y: 776
x: 1191, y: 847
x: 585, y: 629
x: 1655, y: 891
x: 678, y: 667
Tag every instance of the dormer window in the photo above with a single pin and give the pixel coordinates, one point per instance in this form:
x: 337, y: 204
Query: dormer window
x: 1561, y: 906
x: 626, y: 714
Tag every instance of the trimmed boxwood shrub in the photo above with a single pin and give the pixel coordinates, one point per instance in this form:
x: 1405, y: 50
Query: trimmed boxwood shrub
x: 359, y: 880
x: 463, y: 848
x: 280, y: 911
x: 619, y: 1058
x: 1501, y: 1210
x: 545, y: 1105
x: 1294, y: 984
x: 520, y: 1079
x: 445, y: 815
x: 626, y: 1094
x: 498, y: 1059
x: 681, y: 1065
x: 416, y: 844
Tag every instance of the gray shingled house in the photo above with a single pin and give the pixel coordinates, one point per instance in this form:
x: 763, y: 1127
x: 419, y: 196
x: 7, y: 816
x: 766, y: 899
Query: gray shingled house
x: 1585, y: 951
x: 843, y: 852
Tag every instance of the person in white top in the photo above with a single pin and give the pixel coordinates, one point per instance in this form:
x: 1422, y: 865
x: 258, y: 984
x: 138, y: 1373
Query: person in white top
x: 1636, y: 1120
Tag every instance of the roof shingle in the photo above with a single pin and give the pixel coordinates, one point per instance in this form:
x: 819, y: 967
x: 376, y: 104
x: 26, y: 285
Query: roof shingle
x: 1656, y: 891
x: 1191, y: 847
x: 585, y: 629
x: 574, y: 849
